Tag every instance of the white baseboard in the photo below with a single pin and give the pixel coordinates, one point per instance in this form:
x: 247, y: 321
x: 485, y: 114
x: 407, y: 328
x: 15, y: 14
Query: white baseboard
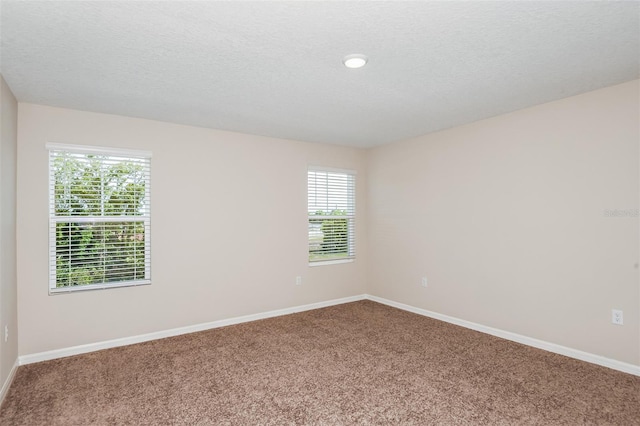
x: 540, y: 344
x: 7, y: 383
x: 91, y: 347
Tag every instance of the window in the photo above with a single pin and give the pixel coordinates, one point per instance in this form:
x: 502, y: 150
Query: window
x: 99, y: 218
x: 331, y: 209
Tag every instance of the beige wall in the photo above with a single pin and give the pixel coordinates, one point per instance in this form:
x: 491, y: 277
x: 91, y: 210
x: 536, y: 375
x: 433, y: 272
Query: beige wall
x: 8, y: 281
x: 506, y: 218
x: 229, y: 229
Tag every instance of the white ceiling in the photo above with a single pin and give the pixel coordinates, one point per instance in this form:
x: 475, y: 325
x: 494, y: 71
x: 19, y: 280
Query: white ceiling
x: 274, y: 68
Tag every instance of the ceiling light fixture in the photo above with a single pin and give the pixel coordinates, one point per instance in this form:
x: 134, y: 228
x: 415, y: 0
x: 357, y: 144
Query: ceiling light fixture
x: 355, y: 61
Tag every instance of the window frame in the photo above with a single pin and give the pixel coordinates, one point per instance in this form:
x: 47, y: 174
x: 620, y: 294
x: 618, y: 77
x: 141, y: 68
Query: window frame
x: 145, y: 156
x: 350, y: 216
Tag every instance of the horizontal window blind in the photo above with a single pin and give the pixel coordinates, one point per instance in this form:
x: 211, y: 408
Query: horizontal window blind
x: 331, y: 211
x: 100, y: 218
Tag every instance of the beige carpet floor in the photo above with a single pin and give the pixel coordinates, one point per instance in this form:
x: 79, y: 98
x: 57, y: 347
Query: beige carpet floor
x: 359, y: 363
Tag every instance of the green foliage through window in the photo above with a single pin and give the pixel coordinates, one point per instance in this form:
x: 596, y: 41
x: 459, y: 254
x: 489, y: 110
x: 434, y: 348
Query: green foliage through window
x: 101, y: 215
x: 332, y: 240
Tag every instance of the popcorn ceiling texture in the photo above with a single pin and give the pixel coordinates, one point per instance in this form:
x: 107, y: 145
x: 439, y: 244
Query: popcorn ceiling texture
x: 274, y: 68
x: 358, y: 363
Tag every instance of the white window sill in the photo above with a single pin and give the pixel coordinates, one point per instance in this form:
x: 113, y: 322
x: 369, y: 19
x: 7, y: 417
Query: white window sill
x: 330, y: 262
x: 79, y: 288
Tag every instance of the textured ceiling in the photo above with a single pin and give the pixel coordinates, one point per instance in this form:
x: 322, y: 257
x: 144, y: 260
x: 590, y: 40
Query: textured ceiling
x: 274, y: 68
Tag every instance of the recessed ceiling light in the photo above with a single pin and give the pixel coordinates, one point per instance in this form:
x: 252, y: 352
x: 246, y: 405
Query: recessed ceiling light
x: 355, y: 61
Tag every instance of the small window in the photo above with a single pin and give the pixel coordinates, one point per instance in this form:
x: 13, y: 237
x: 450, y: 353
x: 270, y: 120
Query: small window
x: 331, y: 209
x: 99, y: 218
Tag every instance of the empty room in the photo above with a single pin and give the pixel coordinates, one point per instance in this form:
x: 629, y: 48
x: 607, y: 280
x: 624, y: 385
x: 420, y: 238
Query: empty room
x: 319, y: 213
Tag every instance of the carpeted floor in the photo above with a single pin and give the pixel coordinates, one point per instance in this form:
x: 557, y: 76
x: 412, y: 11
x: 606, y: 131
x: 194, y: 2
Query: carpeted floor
x: 359, y: 363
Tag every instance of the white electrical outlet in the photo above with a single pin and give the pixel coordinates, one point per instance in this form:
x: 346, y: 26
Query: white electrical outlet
x: 424, y: 282
x: 298, y: 280
x: 6, y: 333
x: 616, y: 317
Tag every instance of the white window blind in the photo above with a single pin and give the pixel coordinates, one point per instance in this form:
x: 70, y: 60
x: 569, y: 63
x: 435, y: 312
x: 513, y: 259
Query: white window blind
x: 331, y: 210
x: 99, y: 218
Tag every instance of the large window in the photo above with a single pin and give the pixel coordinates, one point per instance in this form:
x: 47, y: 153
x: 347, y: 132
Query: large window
x: 99, y: 218
x: 331, y: 209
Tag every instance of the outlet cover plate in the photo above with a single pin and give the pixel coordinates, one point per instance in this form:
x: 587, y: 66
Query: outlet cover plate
x: 616, y: 317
